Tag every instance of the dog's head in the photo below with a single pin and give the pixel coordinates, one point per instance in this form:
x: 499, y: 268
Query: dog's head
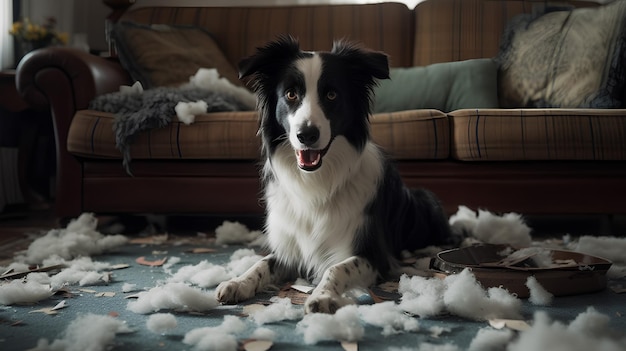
x: 310, y: 98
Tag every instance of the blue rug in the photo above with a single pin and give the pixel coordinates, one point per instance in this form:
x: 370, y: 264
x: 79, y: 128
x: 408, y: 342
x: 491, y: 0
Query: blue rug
x: 22, y: 327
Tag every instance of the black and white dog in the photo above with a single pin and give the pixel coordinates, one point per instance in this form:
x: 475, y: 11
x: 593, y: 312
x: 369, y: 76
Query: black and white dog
x: 337, y: 210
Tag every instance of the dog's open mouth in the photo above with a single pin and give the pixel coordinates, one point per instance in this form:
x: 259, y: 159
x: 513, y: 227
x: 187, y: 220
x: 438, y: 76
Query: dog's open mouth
x: 309, y: 159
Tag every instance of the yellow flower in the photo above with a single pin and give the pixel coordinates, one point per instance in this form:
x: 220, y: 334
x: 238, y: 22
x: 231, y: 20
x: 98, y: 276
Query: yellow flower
x: 43, y: 35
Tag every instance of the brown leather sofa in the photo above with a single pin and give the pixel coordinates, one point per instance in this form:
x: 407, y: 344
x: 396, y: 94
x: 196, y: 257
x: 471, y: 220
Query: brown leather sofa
x: 211, y: 166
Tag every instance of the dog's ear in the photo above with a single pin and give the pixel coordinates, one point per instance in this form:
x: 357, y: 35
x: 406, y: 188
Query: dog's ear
x: 373, y: 62
x: 268, y: 58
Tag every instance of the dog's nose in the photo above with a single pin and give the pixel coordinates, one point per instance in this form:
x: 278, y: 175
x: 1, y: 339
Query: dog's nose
x: 308, y: 135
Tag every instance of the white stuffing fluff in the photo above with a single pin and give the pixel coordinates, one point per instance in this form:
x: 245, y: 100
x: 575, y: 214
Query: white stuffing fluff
x: 88, y: 332
x: 220, y: 338
x: 23, y: 292
x: 161, y: 323
x: 541, y: 257
x: 427, y: 347
x: 610, y: 248
x: 187, y: 111
x: 389, y: 316
x: 208, y: 275
x: 82, y: 271
x: 234, y: 233
x: 344, y: 325
x: 280, y: 309
x: 589, y: 331
x: 459, y: 294
x: 489, y: 339
x: 134, y: 89
x: 538, y: 294
x: 422, y: 296
x: 487, y: 227
x: 80, y: 238
x: 128, y: 287
x: 209, y: 79
x: 173, y: 296
x: 263, y: 333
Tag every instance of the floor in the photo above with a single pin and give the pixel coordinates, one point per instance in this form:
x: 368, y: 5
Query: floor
x: 19, y: 221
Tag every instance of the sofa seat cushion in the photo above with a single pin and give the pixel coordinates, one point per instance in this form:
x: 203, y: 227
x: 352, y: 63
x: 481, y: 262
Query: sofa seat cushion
x: 413, y: 134
x: 538, y: 134
x: 418, y: 134
x: 223, y: 135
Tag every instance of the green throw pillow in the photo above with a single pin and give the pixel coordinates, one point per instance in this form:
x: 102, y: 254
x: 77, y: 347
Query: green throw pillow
x: 445, y: 86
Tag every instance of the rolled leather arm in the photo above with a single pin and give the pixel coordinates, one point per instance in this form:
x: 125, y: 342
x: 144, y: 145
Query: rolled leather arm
x: 55, y: 76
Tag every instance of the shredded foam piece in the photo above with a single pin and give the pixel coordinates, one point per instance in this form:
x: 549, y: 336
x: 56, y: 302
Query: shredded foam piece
x: 220, y: 338
x: 281, y: 309
x: 161, y: 323
x: 538, y: 294
x: 173, y: 296
x: 128, y: 287
x: 589, y: 331
x: 79, y: 238
x: 229, y: 233
x: 487, y: 227
x: 344, y: 325
x: 427, y: 347
x: 459, y: 294
x: 88, y: 332
x: 488, y: 339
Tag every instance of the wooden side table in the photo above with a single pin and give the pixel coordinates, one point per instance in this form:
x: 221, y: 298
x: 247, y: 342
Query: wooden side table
x: 25, y: 127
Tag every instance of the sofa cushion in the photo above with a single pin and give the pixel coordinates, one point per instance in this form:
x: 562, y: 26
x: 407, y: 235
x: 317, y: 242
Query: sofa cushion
x: 412, y: 135
x: 538, y: 134
x: 445, y: 86
x: 162, y: 55
x: 213, y: 136
x: 420, y: 134
x: 565, y: 59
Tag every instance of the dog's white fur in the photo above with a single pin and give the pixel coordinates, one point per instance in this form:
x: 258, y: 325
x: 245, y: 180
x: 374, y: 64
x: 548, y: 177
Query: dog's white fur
x: 340, y: 221
x: 312, y: 216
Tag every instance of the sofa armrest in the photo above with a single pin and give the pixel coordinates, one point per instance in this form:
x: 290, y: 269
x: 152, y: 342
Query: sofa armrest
x: 63, y: 81
x: 60, y: 75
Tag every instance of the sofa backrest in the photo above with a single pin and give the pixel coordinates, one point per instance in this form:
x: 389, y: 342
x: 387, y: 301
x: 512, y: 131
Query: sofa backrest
x: 456, y: 30
x: 240, y: 30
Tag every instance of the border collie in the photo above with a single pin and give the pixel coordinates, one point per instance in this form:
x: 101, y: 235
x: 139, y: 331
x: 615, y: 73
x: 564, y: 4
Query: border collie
x: 338, y: 213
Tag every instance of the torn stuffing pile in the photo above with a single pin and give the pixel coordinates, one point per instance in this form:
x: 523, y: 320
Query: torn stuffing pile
x: 208, y: 275
x: 229, y: 233
x: 510, y: 228
x: 174, y: 297
x: 68, y: 248
x: 459, y: 294
x: 610, y: 248
x: 222, y: 337
x: 88, y: 332
x: 79, y: 238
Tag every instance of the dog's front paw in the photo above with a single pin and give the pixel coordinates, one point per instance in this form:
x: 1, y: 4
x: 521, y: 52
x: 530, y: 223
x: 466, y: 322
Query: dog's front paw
x: 234, y: 290
x: 325, y: 301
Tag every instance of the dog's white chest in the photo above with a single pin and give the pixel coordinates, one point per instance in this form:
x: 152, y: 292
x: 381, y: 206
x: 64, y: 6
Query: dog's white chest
x: 313, y: 219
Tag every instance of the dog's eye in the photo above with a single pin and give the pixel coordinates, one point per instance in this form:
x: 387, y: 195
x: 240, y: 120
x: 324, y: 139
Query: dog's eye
x: 331, y: 95
x: 291, y: 95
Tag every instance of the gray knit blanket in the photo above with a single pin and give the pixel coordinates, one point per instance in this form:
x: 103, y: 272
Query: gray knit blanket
x: 154, y: 108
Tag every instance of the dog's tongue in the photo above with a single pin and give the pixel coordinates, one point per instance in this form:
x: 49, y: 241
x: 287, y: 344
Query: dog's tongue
x: 309, y: 158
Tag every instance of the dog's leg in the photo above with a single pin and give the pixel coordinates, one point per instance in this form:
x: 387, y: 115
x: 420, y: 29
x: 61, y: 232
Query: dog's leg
x: 327, y: 296
x: 255, y: 279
